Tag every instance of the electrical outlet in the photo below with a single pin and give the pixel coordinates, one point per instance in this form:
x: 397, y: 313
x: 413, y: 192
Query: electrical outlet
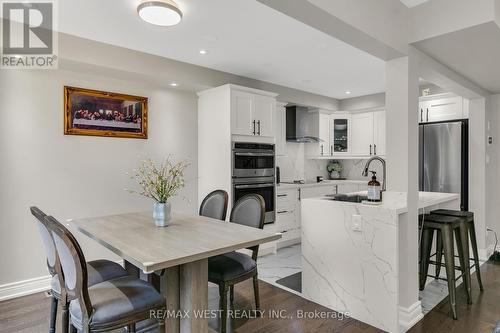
x: 357, y: 223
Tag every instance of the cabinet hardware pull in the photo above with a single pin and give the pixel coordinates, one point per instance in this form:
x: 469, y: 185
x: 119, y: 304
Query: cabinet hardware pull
x: 331, y: 150
x: 427, y: 114
x: 321, y: 150
x: 370, y: 150
x: 258, y: 126
x: 282, y: 195
x: 282, y: 211
x: 421, y: 115
x: 253, y: 127
x: 374, y: 149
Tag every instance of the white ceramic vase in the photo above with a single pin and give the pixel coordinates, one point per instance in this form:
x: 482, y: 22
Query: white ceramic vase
x: 162, y: 213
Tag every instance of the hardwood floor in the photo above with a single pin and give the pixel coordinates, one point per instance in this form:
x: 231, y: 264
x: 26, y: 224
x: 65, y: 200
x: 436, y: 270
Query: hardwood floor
x: 30, y: 313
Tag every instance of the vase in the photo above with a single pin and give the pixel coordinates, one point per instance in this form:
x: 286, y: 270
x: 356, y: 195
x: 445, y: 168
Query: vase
x: 162, y: 213
x: 334, y: 175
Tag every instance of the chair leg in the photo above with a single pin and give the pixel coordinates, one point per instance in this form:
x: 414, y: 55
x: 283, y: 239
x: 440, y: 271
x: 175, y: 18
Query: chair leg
x: 231, y: 294
x: 463, y: 254
x: 449, y: 261
x: 72, y: 329
x: 427, y: 235
x: 53, y: 315
x: 256, y: 292
x: 65, y: 318
x: 472, y: 234
x: 131, y: 328
x: 439, y: 253
x: 223, y: 306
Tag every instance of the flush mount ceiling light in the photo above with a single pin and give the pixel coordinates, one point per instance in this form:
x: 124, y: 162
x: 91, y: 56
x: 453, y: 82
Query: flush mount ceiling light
x: 160, y: 12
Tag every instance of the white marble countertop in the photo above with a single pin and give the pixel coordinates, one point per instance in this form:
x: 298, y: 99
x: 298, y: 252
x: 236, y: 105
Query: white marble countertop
x: 397, y: 200
x: 327, y: 182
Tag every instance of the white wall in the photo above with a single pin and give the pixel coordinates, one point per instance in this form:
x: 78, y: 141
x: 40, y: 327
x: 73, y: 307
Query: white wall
x: 77, y: 176
x: 492, y: 169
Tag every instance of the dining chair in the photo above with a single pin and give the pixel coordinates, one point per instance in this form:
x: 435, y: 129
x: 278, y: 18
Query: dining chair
x: 105, y: 306
x: 215, y: 205
x: 99, y: 271
x: 228, y: 269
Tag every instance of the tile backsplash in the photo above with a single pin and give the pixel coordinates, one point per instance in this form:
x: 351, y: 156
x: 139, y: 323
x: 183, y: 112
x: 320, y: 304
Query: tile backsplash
x: 296, y: 166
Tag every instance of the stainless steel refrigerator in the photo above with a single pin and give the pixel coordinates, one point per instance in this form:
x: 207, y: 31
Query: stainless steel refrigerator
x: 443, y: 158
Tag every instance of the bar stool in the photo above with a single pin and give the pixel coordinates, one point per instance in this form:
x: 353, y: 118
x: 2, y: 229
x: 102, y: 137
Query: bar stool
x: 468, y: 218
x: 450, y: 229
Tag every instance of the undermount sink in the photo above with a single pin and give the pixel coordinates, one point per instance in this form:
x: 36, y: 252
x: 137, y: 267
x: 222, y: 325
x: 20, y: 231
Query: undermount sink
x: 347, y: 198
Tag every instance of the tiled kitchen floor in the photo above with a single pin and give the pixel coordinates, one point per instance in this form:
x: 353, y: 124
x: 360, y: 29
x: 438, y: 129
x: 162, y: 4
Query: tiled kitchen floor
x: 288, y: 261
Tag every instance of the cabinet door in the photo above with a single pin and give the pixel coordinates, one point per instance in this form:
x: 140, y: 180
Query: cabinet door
x: 445, y: 109
x: 280, y: 130
x: 263, y: 114
x: 362, y: 134
x: 324, y: 134
x: 340, y: 134
x: 241, y: 113
x: 379, y: 133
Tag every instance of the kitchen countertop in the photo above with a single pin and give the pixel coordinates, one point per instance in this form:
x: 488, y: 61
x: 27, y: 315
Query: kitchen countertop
x: 323, y: 183
x: 397, y: 200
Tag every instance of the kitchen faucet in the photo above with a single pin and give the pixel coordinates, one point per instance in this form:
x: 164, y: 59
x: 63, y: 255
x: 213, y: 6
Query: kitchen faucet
x: 367, y: 165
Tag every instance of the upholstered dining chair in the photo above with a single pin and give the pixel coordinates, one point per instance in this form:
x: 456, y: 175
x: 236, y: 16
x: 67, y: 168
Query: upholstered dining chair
x: 215, y: 205
x: 98, y: 271
x: 228, y: 269
x: 105, y: 306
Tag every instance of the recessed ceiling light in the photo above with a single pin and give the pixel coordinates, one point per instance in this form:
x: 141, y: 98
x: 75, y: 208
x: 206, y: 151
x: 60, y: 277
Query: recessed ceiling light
x: 347, y: 92
x: 160, y: 12
x: 174, y: 84
x: 203, y: 52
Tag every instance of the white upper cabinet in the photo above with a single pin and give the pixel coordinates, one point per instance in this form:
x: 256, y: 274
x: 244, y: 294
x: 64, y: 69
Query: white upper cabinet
x: 362, y: 134
x: 441, y: 108
x: 319, y: 125
x: 280, y: 132
x: 340, y: 134
x: 263, y: 115
x: 379, y: 133
x: 252, y: 113
x: 242, y: 106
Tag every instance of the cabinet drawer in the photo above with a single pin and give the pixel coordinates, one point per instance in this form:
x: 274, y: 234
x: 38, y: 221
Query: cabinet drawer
x: 286, y: 200
x: 285, y: 220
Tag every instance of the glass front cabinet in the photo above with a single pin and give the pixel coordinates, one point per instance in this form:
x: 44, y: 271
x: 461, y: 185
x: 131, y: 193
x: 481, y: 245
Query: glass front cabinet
x: 340, y: 134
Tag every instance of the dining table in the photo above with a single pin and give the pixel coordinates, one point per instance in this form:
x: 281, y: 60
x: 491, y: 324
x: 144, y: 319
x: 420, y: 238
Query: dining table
x: 179, y: 251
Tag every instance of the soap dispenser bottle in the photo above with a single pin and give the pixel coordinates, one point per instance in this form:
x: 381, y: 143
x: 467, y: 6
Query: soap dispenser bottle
x: 374, y: 192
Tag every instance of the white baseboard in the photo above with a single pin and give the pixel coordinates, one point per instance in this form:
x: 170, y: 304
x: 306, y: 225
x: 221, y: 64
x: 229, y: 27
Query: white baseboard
x: 409, y: 316
x: 23, y: 288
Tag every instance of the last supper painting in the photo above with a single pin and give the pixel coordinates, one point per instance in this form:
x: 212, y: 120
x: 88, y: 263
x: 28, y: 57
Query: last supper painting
x: 100, y: 113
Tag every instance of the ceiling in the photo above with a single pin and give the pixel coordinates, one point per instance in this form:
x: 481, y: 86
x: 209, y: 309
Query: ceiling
x: 471, y: 52
x: 242, y: 37
x: 413, y: 3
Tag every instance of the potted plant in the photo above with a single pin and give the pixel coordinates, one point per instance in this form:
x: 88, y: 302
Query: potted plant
x: 334, y: 168
x: 160, y: 183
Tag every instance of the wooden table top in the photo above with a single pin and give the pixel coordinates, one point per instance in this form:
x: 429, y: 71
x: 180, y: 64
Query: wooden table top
x: 135, y: 238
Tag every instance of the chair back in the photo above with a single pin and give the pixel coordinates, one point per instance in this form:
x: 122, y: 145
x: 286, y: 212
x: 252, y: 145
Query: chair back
x: 48, y: 242
x: 250, y: 210
x: 215, y: 205
x: 73, y: 265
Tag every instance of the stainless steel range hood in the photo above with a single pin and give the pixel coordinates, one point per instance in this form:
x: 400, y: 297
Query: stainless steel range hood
x: 297, y: 125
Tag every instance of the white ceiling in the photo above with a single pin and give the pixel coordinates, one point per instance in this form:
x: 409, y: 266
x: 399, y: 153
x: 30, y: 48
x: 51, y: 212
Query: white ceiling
x: 413, y: 3
x: 243, y: 37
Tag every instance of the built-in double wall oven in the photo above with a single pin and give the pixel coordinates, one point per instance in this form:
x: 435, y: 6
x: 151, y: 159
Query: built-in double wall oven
x: 253, y: 172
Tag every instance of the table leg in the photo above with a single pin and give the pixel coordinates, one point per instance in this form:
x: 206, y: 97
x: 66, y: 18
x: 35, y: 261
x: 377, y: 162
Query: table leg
x: 186, y: 289
x: 131, y: 269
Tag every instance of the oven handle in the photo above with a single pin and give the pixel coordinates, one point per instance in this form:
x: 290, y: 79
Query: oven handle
x: 254, y: 154
x: 254, y: 186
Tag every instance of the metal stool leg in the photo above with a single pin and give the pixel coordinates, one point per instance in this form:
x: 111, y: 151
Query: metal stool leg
x: 427, y: 235
x: 463, y: 255
x: 472, y: 234
x: 439, y: 253
x: 449, y: 261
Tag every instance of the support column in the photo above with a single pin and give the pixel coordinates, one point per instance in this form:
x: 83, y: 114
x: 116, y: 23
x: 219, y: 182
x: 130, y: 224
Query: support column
x: 402, y: 174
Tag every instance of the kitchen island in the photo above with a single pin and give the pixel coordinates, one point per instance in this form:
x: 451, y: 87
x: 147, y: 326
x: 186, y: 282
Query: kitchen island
x: 355, y: 257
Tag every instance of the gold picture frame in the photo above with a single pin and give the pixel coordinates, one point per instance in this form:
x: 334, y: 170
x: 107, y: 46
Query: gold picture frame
x: 101, y: 113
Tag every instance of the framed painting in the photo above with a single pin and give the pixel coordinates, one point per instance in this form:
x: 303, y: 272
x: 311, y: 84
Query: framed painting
x: 100, y: 113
